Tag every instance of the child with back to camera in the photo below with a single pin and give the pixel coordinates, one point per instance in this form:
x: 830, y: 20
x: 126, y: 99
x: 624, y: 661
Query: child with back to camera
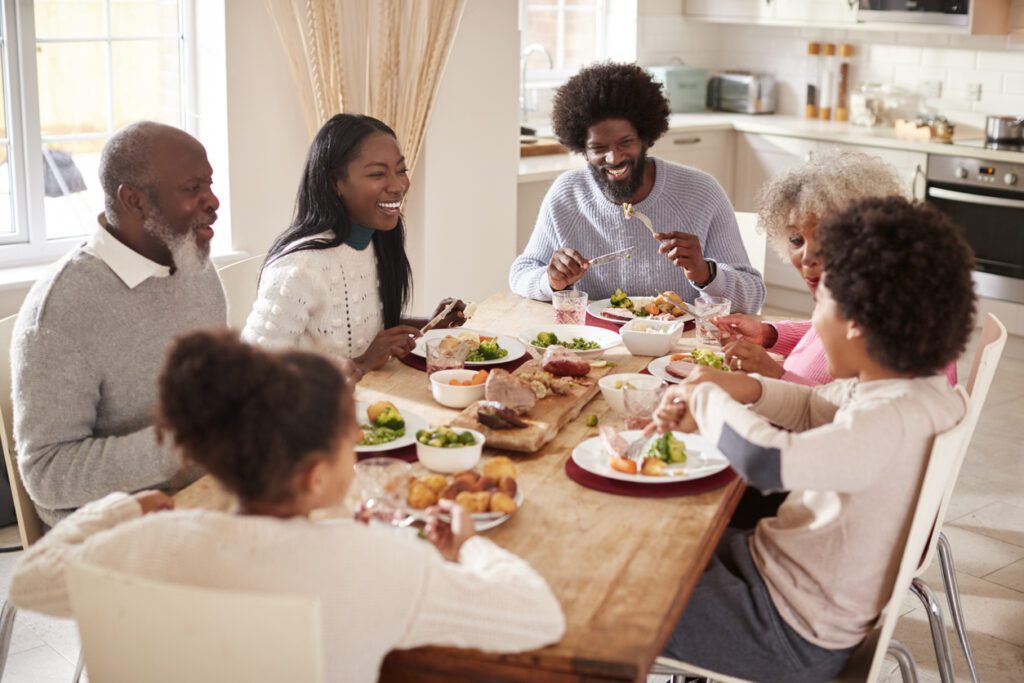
x: 278, y: 430
x: 791, y: 600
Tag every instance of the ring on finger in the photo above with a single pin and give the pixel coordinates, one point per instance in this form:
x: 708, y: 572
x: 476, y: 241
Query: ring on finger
x: 739, y: 363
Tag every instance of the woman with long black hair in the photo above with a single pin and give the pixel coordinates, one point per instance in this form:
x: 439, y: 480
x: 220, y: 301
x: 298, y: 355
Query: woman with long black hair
x: 337, y: 280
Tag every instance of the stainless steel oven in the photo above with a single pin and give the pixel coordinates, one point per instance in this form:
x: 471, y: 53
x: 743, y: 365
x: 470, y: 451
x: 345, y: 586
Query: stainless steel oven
x: 986, y: 198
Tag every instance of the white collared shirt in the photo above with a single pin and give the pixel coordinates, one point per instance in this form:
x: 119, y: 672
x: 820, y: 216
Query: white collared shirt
x: 132, y: 267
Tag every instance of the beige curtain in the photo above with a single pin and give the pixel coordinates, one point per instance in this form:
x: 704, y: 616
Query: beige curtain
x: 384, y: 58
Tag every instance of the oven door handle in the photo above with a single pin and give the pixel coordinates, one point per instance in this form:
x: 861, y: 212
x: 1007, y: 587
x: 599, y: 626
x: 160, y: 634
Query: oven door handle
x: 967, y: 198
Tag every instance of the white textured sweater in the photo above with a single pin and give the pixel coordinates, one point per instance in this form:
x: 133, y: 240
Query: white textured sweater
x: 324, y: 300
x: 378, y: 590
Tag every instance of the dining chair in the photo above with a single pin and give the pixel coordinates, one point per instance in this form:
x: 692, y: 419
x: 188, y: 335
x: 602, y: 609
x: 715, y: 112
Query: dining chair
x: 983, y: 369
x: 866, y: 663
x: 754, y: 241
x: 240, y: 281
x: 136, y: 629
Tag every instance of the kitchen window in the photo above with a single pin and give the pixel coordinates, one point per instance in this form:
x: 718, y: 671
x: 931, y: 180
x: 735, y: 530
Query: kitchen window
x: 74, y: 71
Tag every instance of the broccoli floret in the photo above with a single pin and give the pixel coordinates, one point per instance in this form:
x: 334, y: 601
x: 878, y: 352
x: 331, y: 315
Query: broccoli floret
x: 545, y: 339
x: 391, y: 419
x: 668, y: 448
x: 620, y: 300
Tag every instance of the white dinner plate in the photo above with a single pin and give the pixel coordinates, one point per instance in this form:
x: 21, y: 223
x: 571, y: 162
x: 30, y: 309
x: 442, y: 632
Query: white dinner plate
x: 413, y: 423
x: 515, y: 348
x: 657, y: 366
x: 596, y: 309
x: 606, y: 339
x: 702, y: 460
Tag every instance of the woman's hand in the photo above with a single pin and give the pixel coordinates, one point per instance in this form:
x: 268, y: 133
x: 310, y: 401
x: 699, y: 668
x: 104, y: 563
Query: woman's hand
x: 448, y: 537
x: 394, y: 341
x: 455, y: 317
x: 747, y: 327
x: 745, y: 356
x: 566, y: 268
x: 153, y: 501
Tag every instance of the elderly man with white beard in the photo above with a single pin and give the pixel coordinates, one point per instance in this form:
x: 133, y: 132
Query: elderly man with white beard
x: 91, y: 335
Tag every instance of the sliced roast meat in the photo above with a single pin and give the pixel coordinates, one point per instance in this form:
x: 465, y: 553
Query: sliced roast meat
x: 613, y: 441
x: 510, y: 391
x: 680, y: 368
x: 618, y: 313
x: 562, y: 362
x: 497, y: 416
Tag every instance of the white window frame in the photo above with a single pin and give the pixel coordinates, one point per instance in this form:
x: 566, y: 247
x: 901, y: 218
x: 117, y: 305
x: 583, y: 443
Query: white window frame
x: 28, y: 244
x: 539, y: 77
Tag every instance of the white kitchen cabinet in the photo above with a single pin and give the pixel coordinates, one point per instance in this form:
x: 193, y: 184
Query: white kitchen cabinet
x: 726, y: 10
x: 816, y: 11
x: 711, y: 151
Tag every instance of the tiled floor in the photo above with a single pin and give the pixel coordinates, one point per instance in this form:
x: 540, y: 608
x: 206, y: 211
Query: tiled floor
x: 985, y: 525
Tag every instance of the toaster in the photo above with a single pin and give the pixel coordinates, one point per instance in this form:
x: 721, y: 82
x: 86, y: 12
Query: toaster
x: 746, y: 93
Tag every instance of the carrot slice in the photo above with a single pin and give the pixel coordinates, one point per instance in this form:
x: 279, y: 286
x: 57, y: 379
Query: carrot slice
x: 623, y: 465
x: 681, y: 356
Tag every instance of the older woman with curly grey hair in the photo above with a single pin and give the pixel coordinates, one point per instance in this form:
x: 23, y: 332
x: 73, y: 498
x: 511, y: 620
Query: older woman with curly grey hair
x: 792, y: 206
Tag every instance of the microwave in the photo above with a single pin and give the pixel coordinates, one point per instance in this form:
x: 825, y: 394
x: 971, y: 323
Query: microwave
x: 941, y: 12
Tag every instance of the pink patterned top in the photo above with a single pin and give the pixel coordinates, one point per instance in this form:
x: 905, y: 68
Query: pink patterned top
x: 805, y: 354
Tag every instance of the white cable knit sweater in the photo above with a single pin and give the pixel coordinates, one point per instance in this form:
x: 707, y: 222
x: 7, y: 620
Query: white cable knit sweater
x: 323, y: 300
x: 378, y: 590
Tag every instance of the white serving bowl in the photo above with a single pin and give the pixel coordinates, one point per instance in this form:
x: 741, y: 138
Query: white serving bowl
x: 605, y: 338
x: 450, y: 460
x: 614, y: 395
x: 451, y: 395
x: 655, y: 343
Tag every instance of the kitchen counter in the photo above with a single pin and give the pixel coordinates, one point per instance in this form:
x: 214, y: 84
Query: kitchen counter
x: 551, y: 166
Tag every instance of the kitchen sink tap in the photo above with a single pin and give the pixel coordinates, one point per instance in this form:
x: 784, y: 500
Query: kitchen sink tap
x: 523, y: 59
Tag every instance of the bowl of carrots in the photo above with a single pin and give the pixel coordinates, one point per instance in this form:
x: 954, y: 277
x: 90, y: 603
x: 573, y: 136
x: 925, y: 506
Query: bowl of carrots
x: 458, y: 388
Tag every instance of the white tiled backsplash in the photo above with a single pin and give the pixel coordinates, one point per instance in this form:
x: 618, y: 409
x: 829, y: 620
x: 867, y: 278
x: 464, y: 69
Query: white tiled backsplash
x: 908, y: 59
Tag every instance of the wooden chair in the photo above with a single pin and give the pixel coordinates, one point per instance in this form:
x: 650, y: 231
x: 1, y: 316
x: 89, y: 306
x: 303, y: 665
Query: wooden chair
x: 983, y: 370
x: 240, y: 281
x: 866, y: 662
x: 135, y: 629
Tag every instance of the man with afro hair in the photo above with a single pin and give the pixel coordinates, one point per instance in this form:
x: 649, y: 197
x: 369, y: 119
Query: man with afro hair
x: 792, y: 599
x: 612, y: 114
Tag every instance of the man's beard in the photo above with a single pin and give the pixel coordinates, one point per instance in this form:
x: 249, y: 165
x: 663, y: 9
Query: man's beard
x: 189, y: 257
x: 621, y: 191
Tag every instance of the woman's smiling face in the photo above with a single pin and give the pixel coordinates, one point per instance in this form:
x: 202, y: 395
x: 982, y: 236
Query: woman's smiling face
x: 802, y: 246
x: 375, y: 183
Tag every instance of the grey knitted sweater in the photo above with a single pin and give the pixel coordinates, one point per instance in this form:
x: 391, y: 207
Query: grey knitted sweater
x: 575, y: 213
x: 85, y: 356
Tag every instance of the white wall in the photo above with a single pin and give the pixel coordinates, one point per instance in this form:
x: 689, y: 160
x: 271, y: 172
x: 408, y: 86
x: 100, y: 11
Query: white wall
x: 903, y: 59
x: 461, y: 212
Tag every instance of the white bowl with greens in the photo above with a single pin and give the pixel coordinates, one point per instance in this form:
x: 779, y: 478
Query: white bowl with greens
x: 585, y: 341
x: 448, y: 450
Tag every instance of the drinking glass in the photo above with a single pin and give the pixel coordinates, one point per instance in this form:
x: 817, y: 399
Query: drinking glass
x: 570, y: 307
x: 710, y: 307
x: 382, y: 485
x: 444, y: 355
x: 640, y: 402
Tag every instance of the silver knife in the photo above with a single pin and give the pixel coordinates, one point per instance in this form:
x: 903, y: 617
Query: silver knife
x: 612, y: 256
x: 439, y: 317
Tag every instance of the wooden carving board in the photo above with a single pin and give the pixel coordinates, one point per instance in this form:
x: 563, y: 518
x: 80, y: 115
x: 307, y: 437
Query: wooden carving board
x: 543, y: 422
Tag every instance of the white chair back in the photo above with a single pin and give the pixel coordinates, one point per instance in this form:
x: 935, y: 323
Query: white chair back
x: 983, y: 370
x: 135, y: 629
x: 30, y: 527
x: 240, y: 281
x: 754, y: 241
x: 866, y: 664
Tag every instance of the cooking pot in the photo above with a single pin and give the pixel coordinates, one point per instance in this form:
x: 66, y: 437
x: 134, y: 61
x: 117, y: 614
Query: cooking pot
x: 1005, y: 128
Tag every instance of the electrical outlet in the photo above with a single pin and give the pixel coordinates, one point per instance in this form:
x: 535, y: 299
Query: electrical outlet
x: 932, y: 89
x: 974, y: 92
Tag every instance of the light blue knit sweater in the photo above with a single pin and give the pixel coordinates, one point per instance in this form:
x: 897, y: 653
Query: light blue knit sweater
x: 575, y: 213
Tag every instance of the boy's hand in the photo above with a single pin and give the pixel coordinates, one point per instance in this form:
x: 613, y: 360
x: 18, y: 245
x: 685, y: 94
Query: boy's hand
x: 448, y: 537
x: 153, y: 501
x: 739, y: 386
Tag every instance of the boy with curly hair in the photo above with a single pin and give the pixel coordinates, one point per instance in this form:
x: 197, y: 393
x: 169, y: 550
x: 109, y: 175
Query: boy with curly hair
x: 612, y: 114
x: 791, y: 600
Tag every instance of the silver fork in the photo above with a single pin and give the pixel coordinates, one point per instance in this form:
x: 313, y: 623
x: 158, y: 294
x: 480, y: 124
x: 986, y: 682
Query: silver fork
x: 635, y: 452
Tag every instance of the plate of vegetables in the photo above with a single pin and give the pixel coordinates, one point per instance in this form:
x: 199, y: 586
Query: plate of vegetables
x: 668, y: 458
x: 676, y: 367
x: 384, y: 427
x: 621, y: 308
x: 485, y: 348
x: 584, y: 340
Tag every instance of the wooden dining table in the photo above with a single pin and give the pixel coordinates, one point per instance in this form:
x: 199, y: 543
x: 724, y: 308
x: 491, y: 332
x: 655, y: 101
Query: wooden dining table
x: 622, y: 567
